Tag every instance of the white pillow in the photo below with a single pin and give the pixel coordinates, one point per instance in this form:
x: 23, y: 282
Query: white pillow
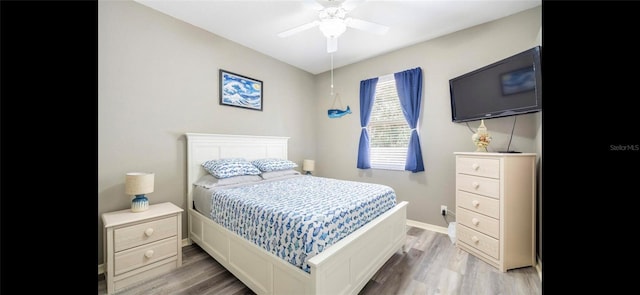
x: 210, y: 181
x: 279, y: 173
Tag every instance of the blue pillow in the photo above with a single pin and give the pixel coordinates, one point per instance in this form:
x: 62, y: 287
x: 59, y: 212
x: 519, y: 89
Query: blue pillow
x: 273, y: 164
x: 229, y: 167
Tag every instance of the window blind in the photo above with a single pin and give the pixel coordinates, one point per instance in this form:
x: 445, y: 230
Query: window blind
x: 388, y: 129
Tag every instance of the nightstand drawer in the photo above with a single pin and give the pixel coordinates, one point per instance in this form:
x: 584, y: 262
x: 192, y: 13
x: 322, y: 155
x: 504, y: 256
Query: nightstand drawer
x: 147, y: 232
x: 479, y: 222
x: 478, y: 203
x: 141, y: 256
x: 478, y: 166
x: 478, y: 185
x: 479, y: 241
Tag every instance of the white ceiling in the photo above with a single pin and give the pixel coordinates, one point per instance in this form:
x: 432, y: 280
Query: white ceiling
x: 256, y: 23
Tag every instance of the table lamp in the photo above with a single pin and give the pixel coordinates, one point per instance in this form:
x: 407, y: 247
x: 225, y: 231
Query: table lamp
x: 138, y: 184
x: 308, y: 165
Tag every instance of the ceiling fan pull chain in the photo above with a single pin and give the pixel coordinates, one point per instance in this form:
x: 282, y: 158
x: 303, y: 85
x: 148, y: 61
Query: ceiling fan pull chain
x: 332, y: 75
x: 336, y: 97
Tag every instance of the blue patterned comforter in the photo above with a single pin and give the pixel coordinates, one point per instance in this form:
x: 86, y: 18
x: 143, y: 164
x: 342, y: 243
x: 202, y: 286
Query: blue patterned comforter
x: 297, y: 218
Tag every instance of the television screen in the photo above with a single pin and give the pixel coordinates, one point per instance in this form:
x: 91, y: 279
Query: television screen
x: 508, y: 87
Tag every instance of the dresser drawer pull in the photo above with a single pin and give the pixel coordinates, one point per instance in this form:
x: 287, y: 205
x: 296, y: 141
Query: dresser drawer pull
x: 475, y: 166
x: 148, y: 232
x: 148, y: 254
x: 475, y: 239
x: 475, y: 221
x: 475, y: 185
x: 475, y: 203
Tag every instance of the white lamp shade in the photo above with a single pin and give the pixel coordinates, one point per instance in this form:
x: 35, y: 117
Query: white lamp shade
x: 138, y: 183
x: 308, y: 165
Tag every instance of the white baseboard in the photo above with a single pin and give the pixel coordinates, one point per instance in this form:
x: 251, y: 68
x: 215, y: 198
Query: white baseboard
x: 427, y: 226
x: 185, y: 242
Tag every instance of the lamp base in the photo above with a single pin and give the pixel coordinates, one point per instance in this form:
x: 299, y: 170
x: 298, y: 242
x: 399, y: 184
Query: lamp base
x: 140, y: 203
x: 308, y: 173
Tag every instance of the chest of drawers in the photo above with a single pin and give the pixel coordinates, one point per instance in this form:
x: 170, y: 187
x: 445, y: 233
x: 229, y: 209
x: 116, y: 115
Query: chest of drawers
x: 495, y: 207
x: 141, y: 245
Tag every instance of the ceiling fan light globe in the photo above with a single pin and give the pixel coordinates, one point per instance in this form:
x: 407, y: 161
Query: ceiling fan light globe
x: 332, y: 28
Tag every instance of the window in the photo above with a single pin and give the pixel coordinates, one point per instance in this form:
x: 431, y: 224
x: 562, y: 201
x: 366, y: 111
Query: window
x: 383, y: 105
x: 388, y: 130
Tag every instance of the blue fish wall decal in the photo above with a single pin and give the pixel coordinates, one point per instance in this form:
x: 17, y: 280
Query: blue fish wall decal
x: 336, y: 113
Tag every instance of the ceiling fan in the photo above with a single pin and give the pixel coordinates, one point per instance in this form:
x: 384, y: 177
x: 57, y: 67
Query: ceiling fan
x: 333, y: 21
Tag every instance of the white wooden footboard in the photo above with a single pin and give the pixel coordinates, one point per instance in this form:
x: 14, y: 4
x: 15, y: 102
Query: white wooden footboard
x: 343, y: 268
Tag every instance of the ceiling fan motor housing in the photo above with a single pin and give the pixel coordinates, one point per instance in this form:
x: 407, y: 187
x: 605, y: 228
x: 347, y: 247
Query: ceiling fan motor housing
x: 332, y: 22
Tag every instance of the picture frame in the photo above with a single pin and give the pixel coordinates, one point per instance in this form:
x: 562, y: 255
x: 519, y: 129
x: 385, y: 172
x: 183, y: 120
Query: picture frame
x: 517, y: 81
x: 240, y: 91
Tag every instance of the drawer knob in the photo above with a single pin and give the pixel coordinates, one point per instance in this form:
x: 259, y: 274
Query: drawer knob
x: 148, y: 232
x: 475, y: 203
x: 475, y: 239
x: 148, y: 254
x: 475, y: 185
x: 475, y: 221
x: 475, y: 166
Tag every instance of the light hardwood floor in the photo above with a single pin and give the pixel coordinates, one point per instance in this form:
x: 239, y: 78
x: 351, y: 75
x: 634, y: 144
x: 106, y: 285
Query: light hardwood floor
x: 431, y: 265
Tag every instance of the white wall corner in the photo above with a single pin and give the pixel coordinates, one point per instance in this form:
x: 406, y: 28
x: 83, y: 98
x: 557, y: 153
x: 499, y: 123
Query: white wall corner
x: 539, y: 268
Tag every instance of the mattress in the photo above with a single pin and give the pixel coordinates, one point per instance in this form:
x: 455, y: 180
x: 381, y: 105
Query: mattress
x: 297, y: 217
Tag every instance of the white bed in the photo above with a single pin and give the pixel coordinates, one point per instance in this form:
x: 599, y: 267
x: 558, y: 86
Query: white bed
x: 343, y: 268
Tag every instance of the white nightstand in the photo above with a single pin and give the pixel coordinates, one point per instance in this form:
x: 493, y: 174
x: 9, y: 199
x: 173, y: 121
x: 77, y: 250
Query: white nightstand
x: 141, y: 245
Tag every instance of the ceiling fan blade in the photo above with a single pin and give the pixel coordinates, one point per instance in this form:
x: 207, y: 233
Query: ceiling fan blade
x: 298, y: 29
x: 332, y: 44
x: 366, y: 26
x: 349, y: 5
x: 314, y: 4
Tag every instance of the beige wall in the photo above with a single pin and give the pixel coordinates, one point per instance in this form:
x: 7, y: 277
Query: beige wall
x: 157, y: 79
x: 440, y: 59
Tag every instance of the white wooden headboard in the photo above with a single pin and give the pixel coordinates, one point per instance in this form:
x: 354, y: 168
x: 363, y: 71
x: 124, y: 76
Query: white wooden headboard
x: 202, y: 147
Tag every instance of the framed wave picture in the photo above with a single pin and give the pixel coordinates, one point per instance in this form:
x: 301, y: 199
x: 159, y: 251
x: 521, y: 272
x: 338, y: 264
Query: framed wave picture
x: 240, y: 91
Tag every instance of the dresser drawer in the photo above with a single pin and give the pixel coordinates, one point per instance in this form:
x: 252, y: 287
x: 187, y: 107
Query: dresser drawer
x: 479, y: 241
x: 478, y: 185
x: 478, y: 166
x: 484, y: 224
x: 137, y: 257
x: 479, y: 204
x: 147, y: 232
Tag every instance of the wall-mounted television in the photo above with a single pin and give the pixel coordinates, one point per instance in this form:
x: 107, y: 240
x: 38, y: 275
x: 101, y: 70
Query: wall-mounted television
x: 508, y: 87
